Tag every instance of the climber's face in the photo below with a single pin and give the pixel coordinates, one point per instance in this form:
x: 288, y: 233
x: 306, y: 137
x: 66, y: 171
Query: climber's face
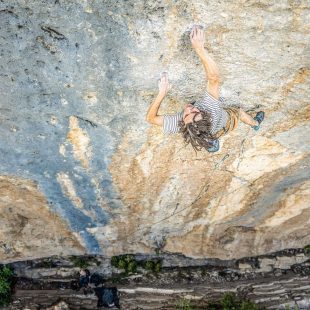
x: 191, y: 114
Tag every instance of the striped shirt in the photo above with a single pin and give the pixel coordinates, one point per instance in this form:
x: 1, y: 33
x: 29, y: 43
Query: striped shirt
x: 208, y: 104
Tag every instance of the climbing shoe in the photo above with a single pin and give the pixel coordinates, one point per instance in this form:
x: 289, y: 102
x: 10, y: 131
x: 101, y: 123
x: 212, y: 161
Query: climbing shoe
x: 215, y: 146
x: 259, y: 118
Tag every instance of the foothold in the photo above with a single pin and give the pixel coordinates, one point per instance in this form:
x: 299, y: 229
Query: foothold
x: 87, y: 121
x: 53, y: 33
x: 9, y: 11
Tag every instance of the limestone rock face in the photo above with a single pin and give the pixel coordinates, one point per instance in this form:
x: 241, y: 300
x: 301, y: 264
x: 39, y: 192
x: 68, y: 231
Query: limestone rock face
x: 82, y: 171
x: 27, y: 224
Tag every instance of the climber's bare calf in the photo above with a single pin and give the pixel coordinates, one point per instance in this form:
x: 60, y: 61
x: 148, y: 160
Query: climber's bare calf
x: 247, y: 118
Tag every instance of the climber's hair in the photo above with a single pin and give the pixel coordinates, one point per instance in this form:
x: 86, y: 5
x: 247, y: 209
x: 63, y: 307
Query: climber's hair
x: 198, y: 133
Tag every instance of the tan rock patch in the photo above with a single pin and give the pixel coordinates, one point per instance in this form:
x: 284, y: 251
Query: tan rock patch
x: 28, y: 229
x: 296, y: 202
x: 80, y: 142
x: 68, y: 189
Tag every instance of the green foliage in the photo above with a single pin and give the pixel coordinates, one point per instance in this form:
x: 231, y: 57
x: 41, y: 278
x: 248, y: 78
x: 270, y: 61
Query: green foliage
x: 125, y: 262
x: 158, y: 266
x: 79, y: 262
x: 231, y: 302
x: 6, y: 276
x: 184, y: 304
x: 153, y: 266
x: 288, y: 307
x: 122, y: 264
x: 307, y: 249
x: 149, y: 265
x: 248, y: 305
x: 114, y: 261
x: 84, y: 262
x: 132, y: 267
x: 128, y: 264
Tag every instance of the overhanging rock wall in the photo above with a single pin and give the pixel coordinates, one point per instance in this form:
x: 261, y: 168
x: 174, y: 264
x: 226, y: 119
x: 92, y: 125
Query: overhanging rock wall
x: 81, y: 170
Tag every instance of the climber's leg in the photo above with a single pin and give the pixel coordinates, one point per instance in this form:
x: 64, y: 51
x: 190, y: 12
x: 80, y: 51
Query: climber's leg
x: 247, y: 118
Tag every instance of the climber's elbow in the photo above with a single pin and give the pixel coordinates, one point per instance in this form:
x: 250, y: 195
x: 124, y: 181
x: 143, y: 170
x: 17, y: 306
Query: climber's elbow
x: 149, y: 120
x: 155, y: 120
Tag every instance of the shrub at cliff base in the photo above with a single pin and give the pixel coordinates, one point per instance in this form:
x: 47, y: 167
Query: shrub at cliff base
x: 229, y: 301
x: 307, y: 249
x: 130, y: 265
x: 6, y: 277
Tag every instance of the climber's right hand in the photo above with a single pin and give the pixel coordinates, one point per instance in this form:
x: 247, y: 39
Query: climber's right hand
x: 197, y: 37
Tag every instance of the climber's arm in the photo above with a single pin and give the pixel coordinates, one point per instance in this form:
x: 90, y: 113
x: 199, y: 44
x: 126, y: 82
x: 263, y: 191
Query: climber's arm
x: 152, y: 116
x: 212, y: 72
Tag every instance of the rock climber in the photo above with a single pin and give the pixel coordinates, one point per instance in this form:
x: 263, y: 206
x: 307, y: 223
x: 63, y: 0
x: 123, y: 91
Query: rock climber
x: 203, y: 122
